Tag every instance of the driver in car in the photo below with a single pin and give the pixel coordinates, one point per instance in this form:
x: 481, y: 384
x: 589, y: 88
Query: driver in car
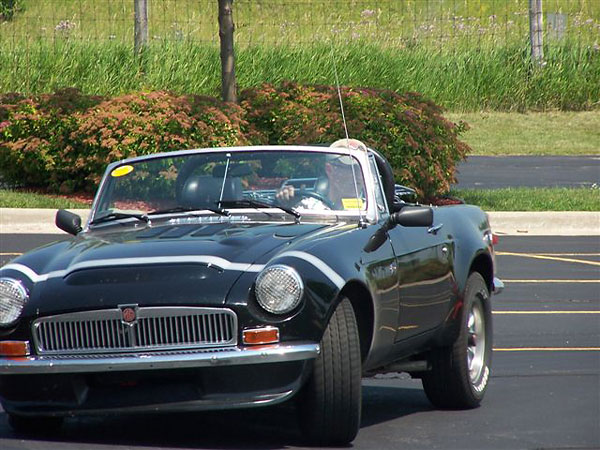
x: 338, y: 189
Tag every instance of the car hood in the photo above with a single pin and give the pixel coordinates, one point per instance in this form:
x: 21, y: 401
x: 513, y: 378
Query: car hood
x: 184, y: 265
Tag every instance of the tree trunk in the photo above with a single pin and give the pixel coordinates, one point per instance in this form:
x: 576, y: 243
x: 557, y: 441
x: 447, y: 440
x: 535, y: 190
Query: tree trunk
x: 536, y: 29
x: 226, y: 28
x: 140, y: 30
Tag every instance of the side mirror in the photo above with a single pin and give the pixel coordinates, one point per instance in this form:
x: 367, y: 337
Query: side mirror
x: 67, y: 221
x: 377, y: 239
x: 409, y: 216
x: 413, y: 216
x: 404, y: 193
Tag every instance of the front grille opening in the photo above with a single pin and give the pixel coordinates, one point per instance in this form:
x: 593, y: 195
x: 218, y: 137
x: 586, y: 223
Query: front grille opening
x: 156, y: 328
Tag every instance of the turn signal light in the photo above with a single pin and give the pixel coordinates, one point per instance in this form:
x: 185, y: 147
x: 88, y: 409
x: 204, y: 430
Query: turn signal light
x: 491, y: 238
x: 265, y: 335
x: 14, y: 348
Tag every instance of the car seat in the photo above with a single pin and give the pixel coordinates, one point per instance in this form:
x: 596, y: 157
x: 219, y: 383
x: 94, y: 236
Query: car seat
x: 204, y: 191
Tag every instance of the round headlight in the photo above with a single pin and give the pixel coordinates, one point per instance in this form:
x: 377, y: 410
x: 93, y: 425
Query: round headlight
x: 12, y: 299
x: 279, y: 289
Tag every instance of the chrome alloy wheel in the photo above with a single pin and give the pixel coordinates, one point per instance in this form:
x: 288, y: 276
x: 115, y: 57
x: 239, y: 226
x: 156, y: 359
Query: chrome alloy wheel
x: 475, y: 342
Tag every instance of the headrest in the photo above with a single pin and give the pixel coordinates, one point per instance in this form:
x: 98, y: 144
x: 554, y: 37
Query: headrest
x: 235, y: 170
x: 203, y: 191
x: 352, y: 144
x: 322, y: 186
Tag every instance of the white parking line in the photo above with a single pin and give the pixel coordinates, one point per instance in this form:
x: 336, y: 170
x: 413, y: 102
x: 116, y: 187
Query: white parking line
x: 549, y: 258
x: 548, y: 349
x: 550, y: 281
x: 545, y: 312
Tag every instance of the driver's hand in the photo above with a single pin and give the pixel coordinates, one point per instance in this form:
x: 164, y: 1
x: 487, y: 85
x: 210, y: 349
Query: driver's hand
x: 285, y: 194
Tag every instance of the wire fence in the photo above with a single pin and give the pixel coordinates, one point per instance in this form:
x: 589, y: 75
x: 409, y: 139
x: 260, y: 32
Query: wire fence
x: 436, y: 24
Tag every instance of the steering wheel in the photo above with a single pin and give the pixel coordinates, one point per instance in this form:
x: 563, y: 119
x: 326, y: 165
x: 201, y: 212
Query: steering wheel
x: 315, y: 195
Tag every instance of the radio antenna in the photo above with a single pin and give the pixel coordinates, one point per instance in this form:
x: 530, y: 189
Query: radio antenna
x: 361, y: 222
x: 339, y: 92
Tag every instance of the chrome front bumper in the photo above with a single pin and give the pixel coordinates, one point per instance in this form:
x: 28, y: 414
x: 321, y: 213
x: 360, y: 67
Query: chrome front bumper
x: 498, y: 286
x: 276, y: 353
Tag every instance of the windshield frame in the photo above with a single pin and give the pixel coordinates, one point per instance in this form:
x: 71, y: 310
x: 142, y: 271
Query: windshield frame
x: 370, y: 215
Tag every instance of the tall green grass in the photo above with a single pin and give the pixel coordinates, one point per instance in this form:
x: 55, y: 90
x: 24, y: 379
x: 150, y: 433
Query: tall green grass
x: 273, y: 22
x: 466, y: 55
x: 461, y: 80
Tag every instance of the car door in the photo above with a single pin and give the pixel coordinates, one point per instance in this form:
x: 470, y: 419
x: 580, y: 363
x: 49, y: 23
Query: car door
x: 426, y: 282
x: 382, y: 276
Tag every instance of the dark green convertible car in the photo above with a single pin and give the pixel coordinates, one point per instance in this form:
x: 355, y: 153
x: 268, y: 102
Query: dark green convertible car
x: 244, y: 277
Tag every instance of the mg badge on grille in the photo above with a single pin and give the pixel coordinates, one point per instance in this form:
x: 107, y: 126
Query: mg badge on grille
x: 129, y: 314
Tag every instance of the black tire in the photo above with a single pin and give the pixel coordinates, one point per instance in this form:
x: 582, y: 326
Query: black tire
x: 460, y: 373
x: 330, y: 403
x: 34, y: 425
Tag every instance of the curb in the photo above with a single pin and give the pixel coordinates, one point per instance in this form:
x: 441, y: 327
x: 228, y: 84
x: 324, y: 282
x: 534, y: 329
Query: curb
x: 546, y: 223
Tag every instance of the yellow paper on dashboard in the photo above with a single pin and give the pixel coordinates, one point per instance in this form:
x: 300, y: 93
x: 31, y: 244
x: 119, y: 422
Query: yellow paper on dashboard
x: 353, y: 203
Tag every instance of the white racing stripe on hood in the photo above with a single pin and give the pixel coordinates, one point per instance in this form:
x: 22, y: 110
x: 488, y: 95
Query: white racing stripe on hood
x: 219, y: 263
x: 318, y: 263
x: 29, y: 273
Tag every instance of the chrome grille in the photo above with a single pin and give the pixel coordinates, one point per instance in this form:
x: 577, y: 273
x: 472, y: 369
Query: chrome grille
x: 155, y: 328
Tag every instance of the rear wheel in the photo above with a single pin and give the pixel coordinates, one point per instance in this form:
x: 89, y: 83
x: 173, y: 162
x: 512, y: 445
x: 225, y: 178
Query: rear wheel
x: 460, y: 373
x: 34, y: 425
x: 330, y: 404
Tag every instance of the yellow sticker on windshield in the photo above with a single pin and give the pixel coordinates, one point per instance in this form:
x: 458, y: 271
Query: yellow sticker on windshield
x: 353, y: 203
x: 121, y: 171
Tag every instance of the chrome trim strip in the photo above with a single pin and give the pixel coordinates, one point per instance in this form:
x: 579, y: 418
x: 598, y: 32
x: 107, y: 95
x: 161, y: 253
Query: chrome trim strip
x: 252, y: 148
x: 498, y: 286
x: 219, y: 263
x: 210, y: 261
x: 276, y: 353
x: 29, y: 273
x: 318, y: 263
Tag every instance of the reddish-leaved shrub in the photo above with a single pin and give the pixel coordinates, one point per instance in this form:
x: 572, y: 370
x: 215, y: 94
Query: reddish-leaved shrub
x: 63, y: 141
x: 410, y: 131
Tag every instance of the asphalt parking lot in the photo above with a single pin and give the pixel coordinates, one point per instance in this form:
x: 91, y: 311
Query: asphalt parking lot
x: 530, y: 171
x: 544, y: 392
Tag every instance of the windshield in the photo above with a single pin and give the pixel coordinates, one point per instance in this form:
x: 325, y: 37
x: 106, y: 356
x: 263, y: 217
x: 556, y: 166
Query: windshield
x: 297, y: 180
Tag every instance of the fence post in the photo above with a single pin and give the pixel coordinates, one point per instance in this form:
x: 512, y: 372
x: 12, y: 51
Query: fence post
x: 226, y: 29
x: 536, y: 29
x: 140, y: 8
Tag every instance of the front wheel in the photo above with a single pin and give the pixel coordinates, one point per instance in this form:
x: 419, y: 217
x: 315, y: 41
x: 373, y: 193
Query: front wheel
x: 460, y: 373
x: 330, y: 404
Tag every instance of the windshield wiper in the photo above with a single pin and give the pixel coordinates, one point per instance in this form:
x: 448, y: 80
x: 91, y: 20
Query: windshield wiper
x: 258, y: 204
x: 183, y: 209
x: 118, y: 215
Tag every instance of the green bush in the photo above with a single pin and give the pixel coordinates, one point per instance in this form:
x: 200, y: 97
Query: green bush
x: 63, y: 141
x: 420, y: 144
x: 8, y: 9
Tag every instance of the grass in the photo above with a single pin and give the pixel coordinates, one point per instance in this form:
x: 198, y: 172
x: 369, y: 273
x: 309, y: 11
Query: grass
x: 549, y: 133
x: 272, y: 22
x: 466, y: 80
x: 532, y: 199
x: 20, y: 199
x: 511, y: 199
x: 466, y: 55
